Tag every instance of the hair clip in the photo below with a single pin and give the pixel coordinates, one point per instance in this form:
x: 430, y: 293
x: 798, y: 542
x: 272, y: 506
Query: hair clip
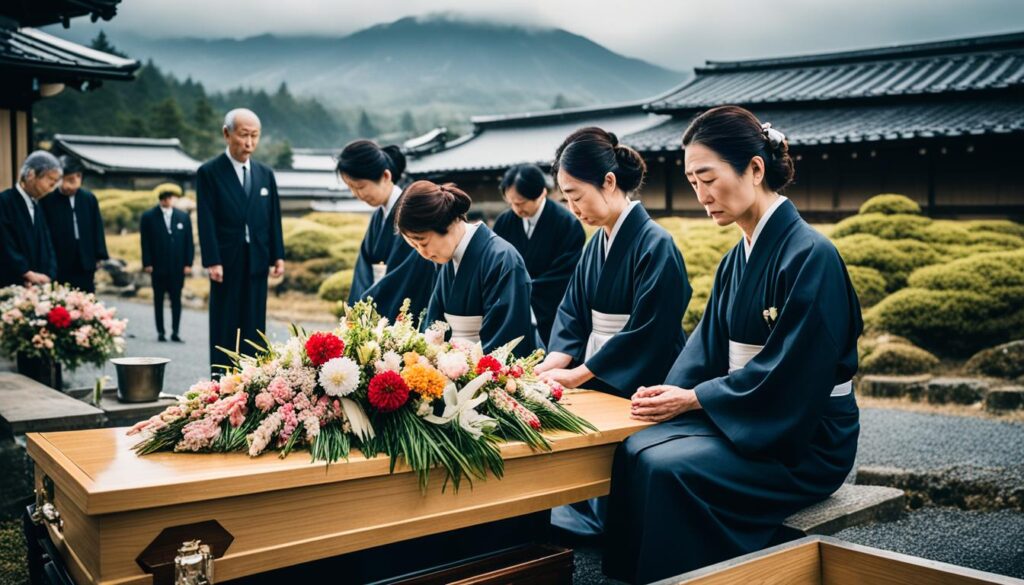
x: 773, y: 136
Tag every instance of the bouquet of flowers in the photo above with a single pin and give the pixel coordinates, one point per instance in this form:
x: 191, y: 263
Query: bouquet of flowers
x: 382, y: 387
x: 58, y: 323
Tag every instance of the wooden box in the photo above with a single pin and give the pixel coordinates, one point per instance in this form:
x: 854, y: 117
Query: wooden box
x: 821, y: 560
x: 281, y: 513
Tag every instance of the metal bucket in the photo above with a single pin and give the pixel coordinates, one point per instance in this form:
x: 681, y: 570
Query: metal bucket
x: 139, y: 379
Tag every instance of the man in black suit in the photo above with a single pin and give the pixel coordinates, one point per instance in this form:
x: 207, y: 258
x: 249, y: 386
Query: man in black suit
x: 239, y: 236
x: 76, y: 228
x: 26, y: 252
x: 167, y: 254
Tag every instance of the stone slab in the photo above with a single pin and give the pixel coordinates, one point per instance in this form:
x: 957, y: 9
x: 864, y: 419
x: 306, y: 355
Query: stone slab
x: 28, y: 406
x: 851, y: 505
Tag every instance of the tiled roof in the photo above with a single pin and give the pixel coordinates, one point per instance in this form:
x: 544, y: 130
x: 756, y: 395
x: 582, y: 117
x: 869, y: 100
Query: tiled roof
x: 130, y: 155
x: 967, y: 65
x: 42, y: 12
x: 806, y: 126
x: 39, y: 52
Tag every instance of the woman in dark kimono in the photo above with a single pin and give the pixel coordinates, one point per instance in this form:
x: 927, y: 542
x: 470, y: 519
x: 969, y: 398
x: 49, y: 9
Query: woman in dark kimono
x: 547, y: 236
x: 483, y: 289
x: 387, y: 269
x: 620, y: 324
x: 757, y: 417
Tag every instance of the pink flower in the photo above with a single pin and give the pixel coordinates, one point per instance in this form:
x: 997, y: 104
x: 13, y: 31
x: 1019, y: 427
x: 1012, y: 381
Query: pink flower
x: 434, y: 336
x: 453, y: 364
x: 264, y: 401
x: 280, y: 390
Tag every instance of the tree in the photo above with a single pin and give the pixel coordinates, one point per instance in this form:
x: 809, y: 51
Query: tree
x: 205, y: 130
x: 283, y: 159
x: 562, y: 102
x: 408, y: 124
x: 102, y: 43
x: 167, y: 120
x: 366, y: 127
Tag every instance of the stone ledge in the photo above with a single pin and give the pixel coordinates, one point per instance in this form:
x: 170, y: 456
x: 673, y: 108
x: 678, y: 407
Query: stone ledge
x: 851, y: 505
x: 1004, y: 398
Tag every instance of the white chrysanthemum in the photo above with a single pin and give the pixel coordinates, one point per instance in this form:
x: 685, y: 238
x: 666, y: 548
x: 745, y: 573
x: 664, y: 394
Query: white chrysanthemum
x: 339, y: 376
x: 390, y: 361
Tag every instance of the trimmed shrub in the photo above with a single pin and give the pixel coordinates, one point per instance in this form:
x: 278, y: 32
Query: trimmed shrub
x: 898, y: 359
x: 339, y: 219
x: 999, y: 226
x: 991, y: 274
x: 127, y: 247
x: 894, y: 259
x: 337, y: 286
x: 326, y: 265
x: 869, y: 284
x: 116, y: 217
x: 346, y: 252
x: 306, y: 243
x: 889, y: 227
x: 700, y: 261
x: 1002, y: 361
x: 948, y: 322
x: 701, y: 286
x: 867, y: 343
x: 890, y: 204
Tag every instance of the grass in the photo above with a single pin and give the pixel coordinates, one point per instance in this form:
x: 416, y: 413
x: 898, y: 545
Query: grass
x: 13, y: 556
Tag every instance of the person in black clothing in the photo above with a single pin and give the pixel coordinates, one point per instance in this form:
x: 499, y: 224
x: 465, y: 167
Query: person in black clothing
x: 167, y: 254
x: 76, y: 229
x: 26, y: 252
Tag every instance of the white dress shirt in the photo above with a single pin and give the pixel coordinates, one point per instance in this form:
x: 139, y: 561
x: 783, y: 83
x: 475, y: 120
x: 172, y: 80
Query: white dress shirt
x: 460, y: 250
x: 167, y: 211
x: 530, y: 223
x: 748, y: 245
x: 618, y: 225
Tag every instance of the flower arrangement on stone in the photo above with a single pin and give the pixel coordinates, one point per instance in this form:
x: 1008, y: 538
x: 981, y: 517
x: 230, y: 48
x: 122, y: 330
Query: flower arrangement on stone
x: 54, y: 322
x: 384, y: 388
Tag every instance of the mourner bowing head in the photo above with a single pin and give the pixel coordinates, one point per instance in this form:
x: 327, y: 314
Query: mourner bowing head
x: 757, y: 418
x: 240, y: 237
x: 76, y: 228
x: 546, y: 234
x: 26, y: 250
x: 387, y: 269
x: 483, y: 289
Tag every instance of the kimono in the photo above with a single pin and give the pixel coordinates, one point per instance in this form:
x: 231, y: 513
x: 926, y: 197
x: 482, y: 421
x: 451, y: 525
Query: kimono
x: 771, y: 363
x: 622, y: 317
x: 551, y: 254
x: 389, y: 270
x: 488, y: 298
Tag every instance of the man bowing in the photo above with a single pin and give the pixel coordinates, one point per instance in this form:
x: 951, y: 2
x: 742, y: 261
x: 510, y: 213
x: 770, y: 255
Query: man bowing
x: 26, y: 252
x: 76, y: 228
x: 239, y: 235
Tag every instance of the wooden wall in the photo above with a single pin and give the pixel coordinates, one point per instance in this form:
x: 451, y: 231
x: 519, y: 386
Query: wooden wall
x: 14, y: 144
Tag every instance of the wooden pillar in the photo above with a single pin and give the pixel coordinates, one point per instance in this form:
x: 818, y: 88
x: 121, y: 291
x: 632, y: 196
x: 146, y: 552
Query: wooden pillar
x: 670, y: 163
x: 7, y: 149
x: 931, y: 183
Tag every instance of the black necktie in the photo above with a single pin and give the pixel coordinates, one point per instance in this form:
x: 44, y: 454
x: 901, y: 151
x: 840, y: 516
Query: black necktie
x: 35, y: 211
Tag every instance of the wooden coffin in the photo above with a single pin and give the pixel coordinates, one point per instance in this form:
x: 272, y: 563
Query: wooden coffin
x: 280, y: 513
x: 822, y: 560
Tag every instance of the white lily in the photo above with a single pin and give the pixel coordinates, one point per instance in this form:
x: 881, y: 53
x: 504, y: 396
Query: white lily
x: 460, y: 405
x: 357, y: 418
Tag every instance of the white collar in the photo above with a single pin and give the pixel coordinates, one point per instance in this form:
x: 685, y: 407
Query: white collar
x: 618, y: 225
x: 25, y: 196
x: 166, y: 210
x: 396, y: 192
x: 536, y: 216
x: 460, y: 250
x: 748, y: 247
x: 238, y: 165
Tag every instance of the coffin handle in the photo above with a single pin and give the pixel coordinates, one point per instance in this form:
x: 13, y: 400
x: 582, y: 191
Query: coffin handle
x: 45, y: 511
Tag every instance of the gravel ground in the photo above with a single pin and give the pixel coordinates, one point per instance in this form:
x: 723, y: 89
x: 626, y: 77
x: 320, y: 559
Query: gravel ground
x: 190, y: 361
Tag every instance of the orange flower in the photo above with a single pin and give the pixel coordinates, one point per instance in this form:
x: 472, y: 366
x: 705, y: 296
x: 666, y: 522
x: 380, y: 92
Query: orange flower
x: 424, y: 379
x: 410, y: 358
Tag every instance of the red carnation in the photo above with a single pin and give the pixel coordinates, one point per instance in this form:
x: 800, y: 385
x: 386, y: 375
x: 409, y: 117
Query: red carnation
x: 535, y: 424
x: 515, y: 371
x: 556, y: 393
x: 59, y: 318
x: 388, y: 391
x: 488, y: 364
x: 322, y: 347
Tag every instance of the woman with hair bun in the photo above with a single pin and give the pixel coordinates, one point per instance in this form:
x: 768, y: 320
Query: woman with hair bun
x: 619, y: 325
x: 757, y: 417
x: 387, y: 269
x: 546, y: 234
x: 483, y: 288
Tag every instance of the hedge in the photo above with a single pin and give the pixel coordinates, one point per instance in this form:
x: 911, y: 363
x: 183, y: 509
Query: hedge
x: 889, y: 204
x: 898, y: 359
x: 337, y: 286
x: 894, y: 259
x: 701, y: 286
x: 869, y: 284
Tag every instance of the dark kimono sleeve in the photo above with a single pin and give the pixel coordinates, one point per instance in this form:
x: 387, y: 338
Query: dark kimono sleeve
x: 413, y: 278
x: 506, y: 301
x: 144, y: 237
x: 648, y: 342
x: 48, y: 256
x: 435, y: 308
x: 571, y: 329
x: 16, y: 262
x: 706, y: 354
x: 100, y: 237
x: 772, y: 406
x: 276, y: 229
x: 190, y: 249
x: 362, y: 275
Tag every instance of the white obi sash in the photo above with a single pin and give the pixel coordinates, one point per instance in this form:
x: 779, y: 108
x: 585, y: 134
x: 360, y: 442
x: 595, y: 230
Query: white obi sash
x: 379, y: 270
x: 741, y: 353
x: 467, y: 328
x: 604, y: 327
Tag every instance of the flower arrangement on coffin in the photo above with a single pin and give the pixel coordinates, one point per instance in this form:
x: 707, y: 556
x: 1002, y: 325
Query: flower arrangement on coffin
x: 384, y: 388
x: 57, y: 323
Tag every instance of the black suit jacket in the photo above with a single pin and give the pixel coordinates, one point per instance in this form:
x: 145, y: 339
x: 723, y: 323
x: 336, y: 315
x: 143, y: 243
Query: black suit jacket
x: 24, y: 245
x: 91, y: 244
x: 224, y: 210
x: 167, y: 253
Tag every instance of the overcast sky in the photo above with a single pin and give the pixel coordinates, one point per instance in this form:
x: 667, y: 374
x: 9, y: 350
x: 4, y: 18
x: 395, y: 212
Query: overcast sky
x: 673, y: 33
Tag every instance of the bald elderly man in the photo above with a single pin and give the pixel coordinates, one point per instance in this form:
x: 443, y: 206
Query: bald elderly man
x: 26, y: 251
x: 239, y: 217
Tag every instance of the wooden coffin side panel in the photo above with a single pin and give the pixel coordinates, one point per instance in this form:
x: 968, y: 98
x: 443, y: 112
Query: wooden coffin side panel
x: 795, y: 563
x: 844, y: 563
x: 78, y: 538
x: 287, y: 527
